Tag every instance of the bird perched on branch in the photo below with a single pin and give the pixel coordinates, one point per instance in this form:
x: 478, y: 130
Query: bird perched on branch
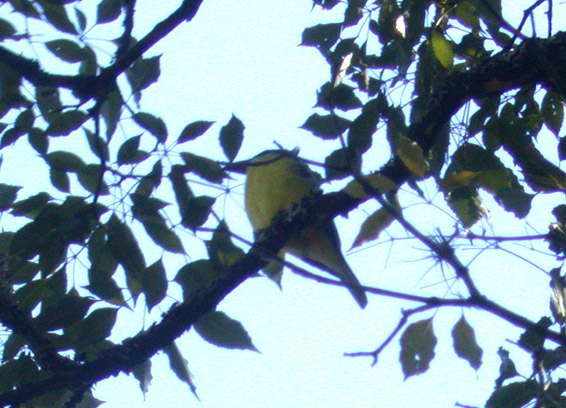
x: 275, y: 181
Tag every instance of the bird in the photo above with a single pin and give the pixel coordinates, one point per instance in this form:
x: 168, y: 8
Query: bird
x: 277, y: 180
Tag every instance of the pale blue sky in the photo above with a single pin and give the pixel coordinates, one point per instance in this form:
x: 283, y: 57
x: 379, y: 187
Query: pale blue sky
x: 243, y: 58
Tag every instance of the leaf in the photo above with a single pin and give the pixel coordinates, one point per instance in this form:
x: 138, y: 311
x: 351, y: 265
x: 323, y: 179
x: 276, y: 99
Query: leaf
x: 24, y: 121
x: 128, y: 151
x: 92, y: 180
x: 379, y: 182
x: 553, y: 112
x: 38, y: 140
x: 222, y: 331
x: 111, y: 111
x: 417, y: 348
x: 326, y: 126
x: 197, y: 211
x: 221, y: 250
x: 142, y: 373
x: 154, y: 283
x: 142, y: 73
x: 340, y: 164
x: 412, y: 156
x: 48, y: 102
x: 8, y: 195
x: 60, y: 180
x: 97, y: 145
x: 66, y: 50
x: 194, y: 130
x: 63, y: 124
x: 442, y: 49
x: 152, y: 124
x: 194, y: 276
x: 514, y: 395
x: 31, y: 205
x: 181, y: 189
x: 125, y: 249
x: 364, y: 126
x: 204, y: 167
x: 340, y: 96
x: 466, y: 204
x: 465, y: 344
x: 56, y: 14
x: 81, y: 19
x: 231, y: 137
x: 7, y: 30
x: 180, y: 366
x: 94, y: 329
x: 373, y: 226
x: 108, y: 11
x: 321, y: 35
x: 63, y: 312
x: 64, y: 161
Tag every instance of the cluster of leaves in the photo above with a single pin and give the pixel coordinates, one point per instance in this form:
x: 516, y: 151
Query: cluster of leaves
x: 395, y: 66
x: 101, y: 197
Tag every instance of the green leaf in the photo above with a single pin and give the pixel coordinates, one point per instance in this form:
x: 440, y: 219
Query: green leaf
x: 465, y: 344
x: 142, y: 373
x: 31, y: 205
x: 553, y: 111
x: 48, y: 102
x: 12, y: 346
x: 56, y: 14
x: 231, y: 137
x: 66, y: 50
x: 64, y: 161
x: 94, y: 329
x: 197, y: 211
x: 194, y: 130
x: 152, y: 124
x: 442, y: 49
x: 417, y: 348
x: 373, y: 226
x: 514, y: 395
x: 326, y: 126
x: 63, y: 124
x: 204, y: 167
x: 7, y: 30
x: 24, y: 121
x: 154, y: 283
x: 81, y: 19
x: 364, y: 126
x: 180, y: 366
x: 322, y: 35
x: 341, y: 96
x: 111, y: 111
x: 38, y: 140
x: 10, y: 137
x: 125, y: 249
x: 91, y: 178
x: 60, y: 180
x: 194, y: 276
x: 108, y: 11
x: 97, y: 145
x: 340, y: 164
x: 103, y: 266
x: 128, y: 151
x: 221, y: 250
x: 63, y: 312
x: 8, y: 195
x: 181, y: 189
x: 143, y: 73
x: 219, y: 329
